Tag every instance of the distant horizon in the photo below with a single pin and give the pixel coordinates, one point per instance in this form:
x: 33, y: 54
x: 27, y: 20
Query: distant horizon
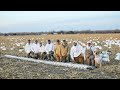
x: 61, y: 30
x: 38, y: 21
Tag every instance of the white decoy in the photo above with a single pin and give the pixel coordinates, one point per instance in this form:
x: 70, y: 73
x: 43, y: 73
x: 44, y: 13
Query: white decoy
x: 105, y: 56
x: 1, y: 47
x: 117, y: 56
x: 18, y: 44
x: 106, y: 45
x: 119, y: 45
x: 109, y: 47
x: 4, y: 49
x: 20, y: 50
x: 99, y: 47
x: 12, y: 48
x: 98, y: 41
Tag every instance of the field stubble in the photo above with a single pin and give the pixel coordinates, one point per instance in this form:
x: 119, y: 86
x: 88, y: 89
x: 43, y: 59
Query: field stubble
x: 28, y: 70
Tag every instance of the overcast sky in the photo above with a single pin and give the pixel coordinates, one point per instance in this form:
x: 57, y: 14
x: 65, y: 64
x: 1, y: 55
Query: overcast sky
x: 36, y: 21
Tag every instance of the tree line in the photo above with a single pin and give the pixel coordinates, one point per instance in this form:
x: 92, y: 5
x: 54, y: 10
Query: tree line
x: 62, y: 32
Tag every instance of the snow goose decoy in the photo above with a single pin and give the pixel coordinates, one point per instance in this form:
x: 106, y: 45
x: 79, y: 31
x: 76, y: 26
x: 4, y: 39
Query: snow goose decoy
x: 117, y: 56
x: 105, y: 56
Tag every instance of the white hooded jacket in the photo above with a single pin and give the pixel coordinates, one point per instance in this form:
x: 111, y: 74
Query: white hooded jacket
x: 36, y: 48
x: 76, y: 51
x: 28, y: 48
x: 49, y: 47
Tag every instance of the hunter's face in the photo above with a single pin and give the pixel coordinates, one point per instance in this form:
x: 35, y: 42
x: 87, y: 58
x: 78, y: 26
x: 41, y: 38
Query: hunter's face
x: 49, y: 42
x: 75, y: 44
x: 89, y: 44
x: 58, y: 42
x: 29, y: 41
x: 40, y: 44
x: 36, y: 41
